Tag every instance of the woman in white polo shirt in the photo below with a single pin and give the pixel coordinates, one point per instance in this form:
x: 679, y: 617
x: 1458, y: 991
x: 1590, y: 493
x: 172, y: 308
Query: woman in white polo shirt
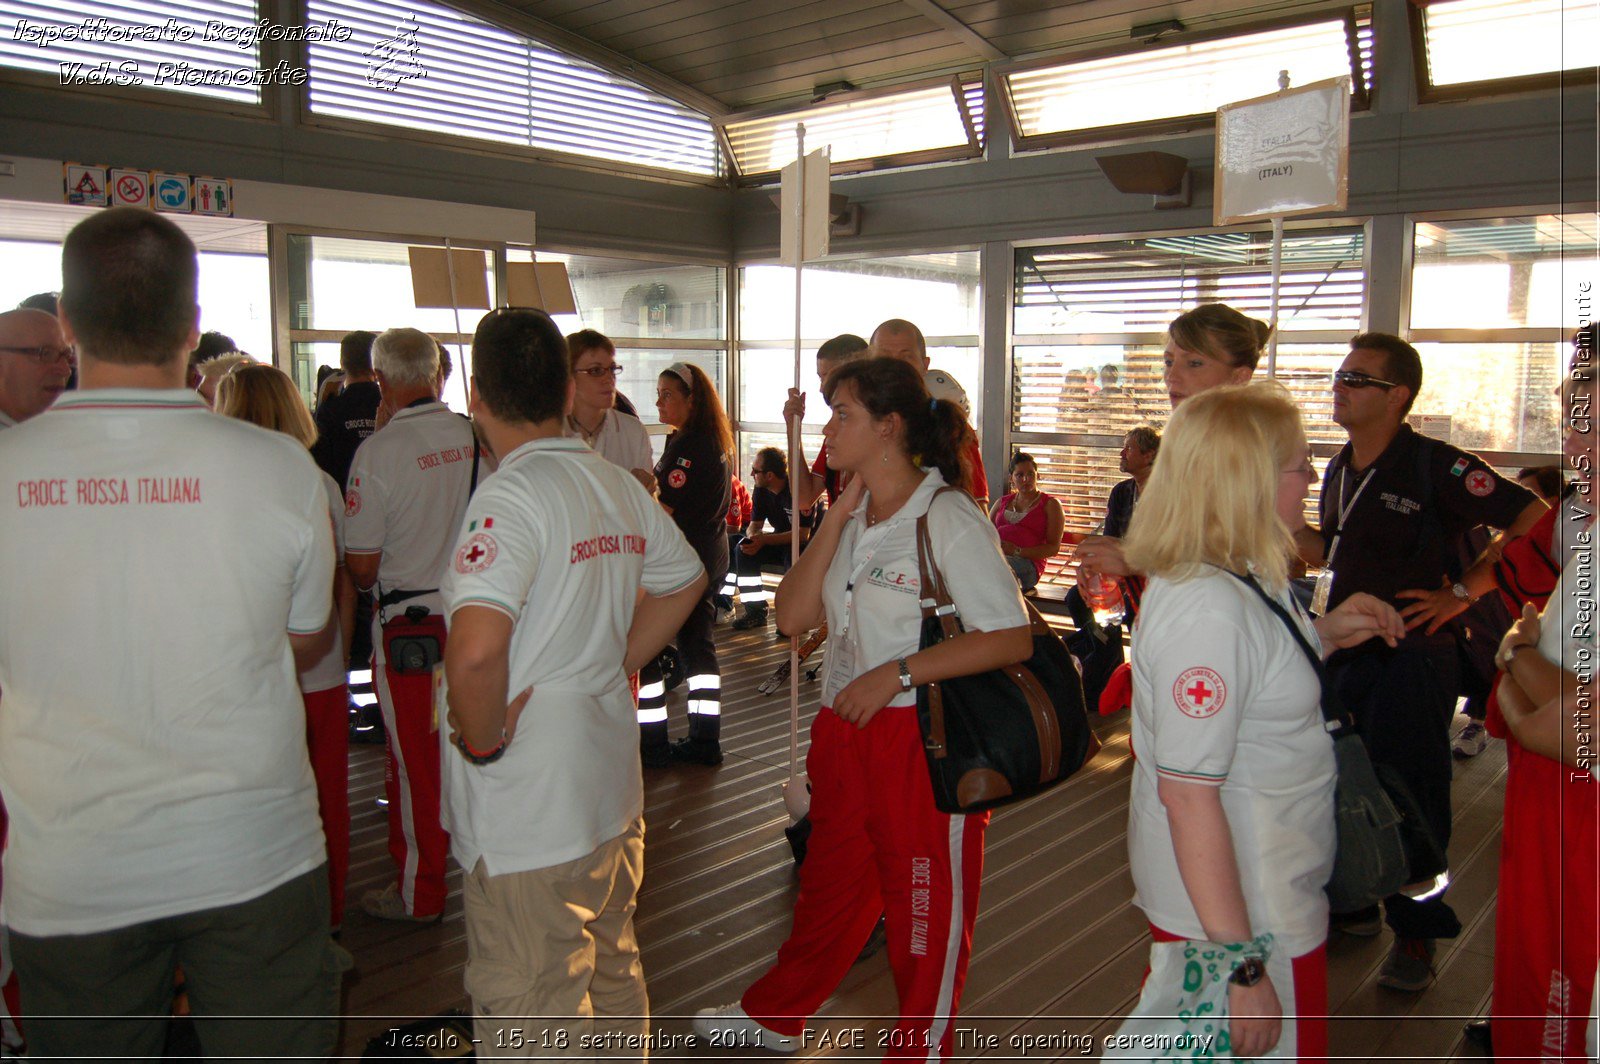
x: 617, y: 437
x: 878, y: 844
x: 1230, y: 824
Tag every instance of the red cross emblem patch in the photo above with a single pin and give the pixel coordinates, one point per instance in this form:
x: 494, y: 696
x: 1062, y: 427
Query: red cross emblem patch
x: 677, y: 478
x: 477, y: 553
x: 352, y: 502
x: 1199, y: 692
x: 1479, y: 482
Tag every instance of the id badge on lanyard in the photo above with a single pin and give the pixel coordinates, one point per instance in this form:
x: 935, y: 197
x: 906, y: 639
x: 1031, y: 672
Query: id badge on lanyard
x: 1324, y: 584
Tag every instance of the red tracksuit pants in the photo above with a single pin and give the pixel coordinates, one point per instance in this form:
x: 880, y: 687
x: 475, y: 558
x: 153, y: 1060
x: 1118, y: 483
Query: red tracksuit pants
x: 328, y: 742
x: 1547, y: 916
x: 878, y: 846
x: 417, y: 841
x: 10, y: 996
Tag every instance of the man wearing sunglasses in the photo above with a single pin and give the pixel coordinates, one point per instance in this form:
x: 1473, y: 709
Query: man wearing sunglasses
x: 1394, y: 503
x: 35, y: 363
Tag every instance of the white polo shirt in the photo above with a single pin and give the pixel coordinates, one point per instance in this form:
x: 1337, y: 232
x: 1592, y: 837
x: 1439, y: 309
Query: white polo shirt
x: 1224, y: 697
x: 560, y: 541
x: 1567, y: 628
x: 152, y: 744
x: 329, y: 672
x: 407, y: 491
x: 622, y: 441
x: 875, y: 583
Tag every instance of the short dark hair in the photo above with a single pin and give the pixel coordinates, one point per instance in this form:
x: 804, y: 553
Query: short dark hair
x: 588, y: 340
x: 355, y: 351
x: 1020, y: 457
x: 212, y: 344
x: 1145, y: 437
x: 842, y: 348
x: 130, y: 286
x: 1548, y: 479
x: 45, y: 301
x: 1401, y: 363
x: 520, y: 365
x: 772, y: 461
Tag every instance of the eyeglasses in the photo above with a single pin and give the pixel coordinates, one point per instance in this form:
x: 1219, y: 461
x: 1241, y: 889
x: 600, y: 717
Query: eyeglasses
x: 756, y: 471
x: 45, y: 354
x: 1356, y: 379
x: 597, y: 372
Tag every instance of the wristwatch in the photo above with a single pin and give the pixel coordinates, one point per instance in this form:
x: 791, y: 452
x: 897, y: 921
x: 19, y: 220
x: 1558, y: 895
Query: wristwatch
x: 905, y: 675
x: 1459, y: 590
x: 1251, y: 970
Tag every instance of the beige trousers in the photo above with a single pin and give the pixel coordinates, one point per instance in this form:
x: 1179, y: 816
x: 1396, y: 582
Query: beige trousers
x: 552, y: 963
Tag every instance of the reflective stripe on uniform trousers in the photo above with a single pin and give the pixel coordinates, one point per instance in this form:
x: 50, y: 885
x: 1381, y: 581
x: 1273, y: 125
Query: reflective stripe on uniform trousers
x: 653, y: 702
x: 705, y: 695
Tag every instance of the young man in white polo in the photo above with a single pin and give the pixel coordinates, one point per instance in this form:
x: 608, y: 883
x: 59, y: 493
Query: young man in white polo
x: 407, y: 491
x: 544, y: 794
x: 152, y: 738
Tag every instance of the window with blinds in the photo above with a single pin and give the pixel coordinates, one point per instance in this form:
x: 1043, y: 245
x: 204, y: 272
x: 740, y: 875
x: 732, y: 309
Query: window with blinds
x: 1180, y: 86
x: 928, y: 123
x: 1470, y: 47
x: 210, y: 51
x: 431, y: 69
x: 1088, y: 323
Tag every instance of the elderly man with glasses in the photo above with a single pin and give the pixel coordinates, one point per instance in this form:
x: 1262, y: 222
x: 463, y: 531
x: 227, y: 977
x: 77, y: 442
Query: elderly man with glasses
x: 35, y: 364
x: 1393, y: 504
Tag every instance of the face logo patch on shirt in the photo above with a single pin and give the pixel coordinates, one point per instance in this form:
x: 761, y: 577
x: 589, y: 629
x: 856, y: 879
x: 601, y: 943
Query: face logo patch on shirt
x: 1199, y: 692
x: 477, y: 553
x: 1480, y: 483
x: 677, y: 478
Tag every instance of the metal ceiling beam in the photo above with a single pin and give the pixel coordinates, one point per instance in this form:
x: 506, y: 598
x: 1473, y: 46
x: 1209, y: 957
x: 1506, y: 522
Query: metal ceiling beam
x: 960, y: 29
x: 508, y: 16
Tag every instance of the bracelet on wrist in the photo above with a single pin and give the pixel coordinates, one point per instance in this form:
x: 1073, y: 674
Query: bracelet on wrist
x: 481, y: 757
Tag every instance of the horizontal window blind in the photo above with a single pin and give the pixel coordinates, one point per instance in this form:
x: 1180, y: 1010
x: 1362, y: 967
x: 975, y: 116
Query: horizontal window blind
x: 1191, y: 79
x: 1483, y: 40
x: 181, y: 47
x: 429, y: 68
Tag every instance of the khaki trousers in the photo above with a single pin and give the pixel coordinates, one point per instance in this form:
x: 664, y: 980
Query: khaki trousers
x: 552, y: 963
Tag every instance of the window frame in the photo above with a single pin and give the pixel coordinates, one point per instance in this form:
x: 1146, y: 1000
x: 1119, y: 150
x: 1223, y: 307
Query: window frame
x: 957, y: 84
x: 1361, y: 97
x: 1428, y: 93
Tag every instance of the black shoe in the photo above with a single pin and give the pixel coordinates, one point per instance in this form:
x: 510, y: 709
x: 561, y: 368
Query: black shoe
x: 754, y: 617
x: 655, y: 755
x: 875, y: 941
x: 366, y: 726
x: 697, y: 751
x: 1477, y: 1034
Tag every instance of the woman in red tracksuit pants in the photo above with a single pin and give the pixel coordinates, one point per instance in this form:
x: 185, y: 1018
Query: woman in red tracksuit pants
x: 878, y: 844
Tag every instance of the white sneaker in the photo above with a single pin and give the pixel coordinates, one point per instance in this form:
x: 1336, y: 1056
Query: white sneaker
x: 1472, y: 741
x: 729, y: 1028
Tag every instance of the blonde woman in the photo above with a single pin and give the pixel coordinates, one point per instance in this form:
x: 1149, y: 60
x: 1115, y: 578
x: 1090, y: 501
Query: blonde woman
x: 265, y: 396
x: 1230, y: 826
x: 212, y: 370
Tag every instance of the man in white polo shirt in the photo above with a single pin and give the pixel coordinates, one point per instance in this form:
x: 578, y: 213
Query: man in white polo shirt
x: 545, y: 797
x: 152, y: 740
x: 408, y: 489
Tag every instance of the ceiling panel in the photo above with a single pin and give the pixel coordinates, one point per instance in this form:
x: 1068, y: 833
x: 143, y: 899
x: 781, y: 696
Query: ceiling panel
x: 764, y: 22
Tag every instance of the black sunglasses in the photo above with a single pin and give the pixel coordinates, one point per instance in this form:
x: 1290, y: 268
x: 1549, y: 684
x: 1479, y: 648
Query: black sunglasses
x: 1356, y: 379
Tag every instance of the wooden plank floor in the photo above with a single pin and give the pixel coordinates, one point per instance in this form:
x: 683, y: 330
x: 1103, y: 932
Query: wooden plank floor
x: 1059, y: 951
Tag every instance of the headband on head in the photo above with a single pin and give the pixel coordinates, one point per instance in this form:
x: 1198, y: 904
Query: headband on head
x: 680, y: 370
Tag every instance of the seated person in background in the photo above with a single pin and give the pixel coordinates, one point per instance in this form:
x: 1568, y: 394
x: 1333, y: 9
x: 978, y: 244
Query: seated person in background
x: 1029, y: 522
x: 1546, y: 482
x: 738, y: 516
x: 772, y: 506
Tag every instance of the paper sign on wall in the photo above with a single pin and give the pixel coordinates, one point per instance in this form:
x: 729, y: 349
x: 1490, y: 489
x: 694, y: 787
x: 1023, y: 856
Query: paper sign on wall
x: 1284, y: 154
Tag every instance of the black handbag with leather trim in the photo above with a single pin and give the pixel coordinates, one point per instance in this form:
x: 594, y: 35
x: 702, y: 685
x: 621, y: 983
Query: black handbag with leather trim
x: 1000, y: 736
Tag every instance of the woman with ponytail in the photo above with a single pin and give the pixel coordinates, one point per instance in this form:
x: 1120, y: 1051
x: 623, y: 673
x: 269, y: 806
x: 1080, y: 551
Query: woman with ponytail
x: 878, y: 844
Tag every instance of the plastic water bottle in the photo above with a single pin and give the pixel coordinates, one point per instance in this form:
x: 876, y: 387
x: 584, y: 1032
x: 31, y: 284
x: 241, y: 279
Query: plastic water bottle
x: 1103, y: 594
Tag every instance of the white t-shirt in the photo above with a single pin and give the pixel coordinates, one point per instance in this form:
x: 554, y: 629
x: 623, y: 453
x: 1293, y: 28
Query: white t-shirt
x: 329, y: 671
x: 1223, y: 696
x: 874, y: 579
x: 622, y: 441
x: 560, y: 541
x: 152, y: 744
x: 407, y: 491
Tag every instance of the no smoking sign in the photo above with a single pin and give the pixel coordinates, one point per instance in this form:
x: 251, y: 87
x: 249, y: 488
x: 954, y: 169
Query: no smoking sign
x: 130, y: 188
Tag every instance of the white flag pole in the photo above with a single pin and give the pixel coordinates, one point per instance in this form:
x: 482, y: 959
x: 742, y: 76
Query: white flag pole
x: 1277, y: 269
x: 794, y: 793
